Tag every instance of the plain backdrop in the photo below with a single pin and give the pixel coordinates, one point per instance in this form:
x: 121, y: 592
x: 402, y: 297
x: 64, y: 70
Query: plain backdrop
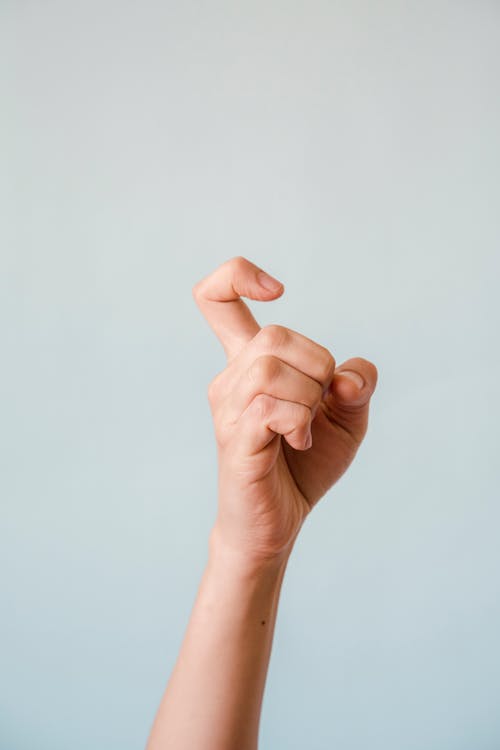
x: 352, y: 149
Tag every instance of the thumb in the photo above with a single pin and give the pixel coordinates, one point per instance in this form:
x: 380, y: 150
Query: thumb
x: 347, y: 398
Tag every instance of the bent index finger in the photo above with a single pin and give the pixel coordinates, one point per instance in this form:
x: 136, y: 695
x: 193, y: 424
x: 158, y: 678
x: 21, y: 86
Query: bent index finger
x: 218, y: 296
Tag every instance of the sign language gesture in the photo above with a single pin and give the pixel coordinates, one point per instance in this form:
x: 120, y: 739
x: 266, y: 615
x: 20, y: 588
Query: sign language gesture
x: 288, y: 421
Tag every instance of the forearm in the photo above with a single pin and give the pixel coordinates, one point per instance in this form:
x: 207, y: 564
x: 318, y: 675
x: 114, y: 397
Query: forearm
x: 214, y: 696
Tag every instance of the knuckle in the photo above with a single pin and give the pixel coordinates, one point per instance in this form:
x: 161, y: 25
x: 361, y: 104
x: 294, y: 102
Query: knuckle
x: 264, y: 369
x: 262, y: 406
x: 273, y: 336
x: 238, y: 263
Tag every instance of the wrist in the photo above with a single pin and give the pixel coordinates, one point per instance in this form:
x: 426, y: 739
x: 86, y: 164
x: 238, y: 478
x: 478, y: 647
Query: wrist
x: 244, y: 562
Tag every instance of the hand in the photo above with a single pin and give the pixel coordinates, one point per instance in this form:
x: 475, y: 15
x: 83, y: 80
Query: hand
x: 288, y: 422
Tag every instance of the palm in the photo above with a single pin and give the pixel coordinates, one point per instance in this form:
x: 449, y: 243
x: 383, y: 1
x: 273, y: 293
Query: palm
x: 280, y: 485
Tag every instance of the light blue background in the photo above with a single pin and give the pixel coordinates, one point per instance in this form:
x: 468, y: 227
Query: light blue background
x: 352, y: 149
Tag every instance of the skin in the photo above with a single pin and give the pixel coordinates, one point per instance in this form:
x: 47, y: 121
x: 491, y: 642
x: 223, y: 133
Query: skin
x: 288, y: 422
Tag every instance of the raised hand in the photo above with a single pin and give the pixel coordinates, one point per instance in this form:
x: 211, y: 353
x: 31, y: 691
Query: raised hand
x: 288, y: 422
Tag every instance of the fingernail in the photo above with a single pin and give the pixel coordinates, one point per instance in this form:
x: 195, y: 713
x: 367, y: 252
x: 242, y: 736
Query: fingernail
x: 309, y: 441
x: 354, y: 376
x: 268, y: 282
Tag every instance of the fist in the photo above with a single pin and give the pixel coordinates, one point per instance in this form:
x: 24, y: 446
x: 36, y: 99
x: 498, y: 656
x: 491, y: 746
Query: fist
x: 288, y: 421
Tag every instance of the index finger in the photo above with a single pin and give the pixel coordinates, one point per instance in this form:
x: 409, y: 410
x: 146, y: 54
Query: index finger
x: 218, y: 296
